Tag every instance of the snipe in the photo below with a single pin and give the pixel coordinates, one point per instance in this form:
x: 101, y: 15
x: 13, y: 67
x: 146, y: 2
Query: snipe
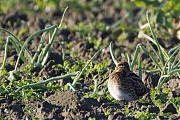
x: 123, y: 84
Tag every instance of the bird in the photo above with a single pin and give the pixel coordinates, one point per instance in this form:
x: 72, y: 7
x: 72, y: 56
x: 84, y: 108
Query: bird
x: 124, y: 84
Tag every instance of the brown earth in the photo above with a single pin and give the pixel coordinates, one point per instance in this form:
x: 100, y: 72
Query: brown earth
x: 69, y: 104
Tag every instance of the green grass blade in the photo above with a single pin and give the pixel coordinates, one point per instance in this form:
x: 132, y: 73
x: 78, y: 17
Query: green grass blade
x: 40, y: 58
x: 40, y: 52
x: 63, y: 52
x: 174, y: 65
x: 177, y: 65
x: 63, y: 16
x: 36, y: 55
x: 48, y: 80
x: 155, y: 52
x: 151, y: 56
x: 69, y: 84
x: 9, y: 33
x: 156, y: 41
x: 87, y: 64
x: 161, y: 81
x: 120, y: 21
x: 51, y: 41
x: 30, y: 38
x: 135, y: 56
x: 95, y: 90
x: 129, y: 61
x: 112, y: 54
x: 169, y: 66
x: 173, y: 59
x: 95, y: 86
x: 50, y: 35
x: 44, y: 53
x: 164, y: 78
x: 45, y: 58
x: 173, y: 49
x: 174, y: 71
x: 17, y: 40
x: 153, y: 41
x: 18, y: 50
x: 6, y: 51
x: 155, y: 70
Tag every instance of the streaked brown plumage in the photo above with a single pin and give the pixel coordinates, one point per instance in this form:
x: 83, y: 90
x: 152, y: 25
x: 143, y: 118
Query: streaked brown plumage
x: 123, y: 84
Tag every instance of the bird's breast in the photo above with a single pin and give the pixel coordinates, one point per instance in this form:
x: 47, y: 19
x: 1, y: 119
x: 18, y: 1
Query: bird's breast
x: 118, y: 93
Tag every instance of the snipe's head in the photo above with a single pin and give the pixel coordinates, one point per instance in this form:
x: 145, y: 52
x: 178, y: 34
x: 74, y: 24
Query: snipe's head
x: 122, y: 66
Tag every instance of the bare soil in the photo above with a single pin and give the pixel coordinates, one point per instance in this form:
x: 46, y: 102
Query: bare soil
x: 69, y: 104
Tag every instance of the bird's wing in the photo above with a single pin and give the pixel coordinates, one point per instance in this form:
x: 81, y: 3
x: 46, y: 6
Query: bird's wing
x: 134, y: 76
x: 139, y: 87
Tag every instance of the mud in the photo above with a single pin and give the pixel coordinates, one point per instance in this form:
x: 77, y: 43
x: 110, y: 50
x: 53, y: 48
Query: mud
x: 68, y: 104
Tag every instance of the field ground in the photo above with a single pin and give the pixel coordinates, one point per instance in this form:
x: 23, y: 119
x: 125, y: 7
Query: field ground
x: 84, y: 31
